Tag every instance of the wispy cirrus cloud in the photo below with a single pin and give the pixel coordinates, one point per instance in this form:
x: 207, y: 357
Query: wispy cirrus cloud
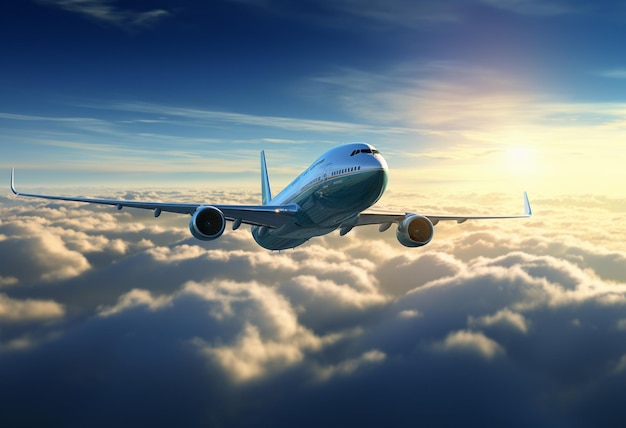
x: 403, y: 13
x: 233, y: 118
x: 480, y: 118
x: 537, y: 7
x: 616, y: 73
x: 106, y: 11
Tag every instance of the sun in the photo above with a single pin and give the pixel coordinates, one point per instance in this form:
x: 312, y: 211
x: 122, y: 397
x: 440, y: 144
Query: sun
x: 520, y: 159
x: 519, y: 154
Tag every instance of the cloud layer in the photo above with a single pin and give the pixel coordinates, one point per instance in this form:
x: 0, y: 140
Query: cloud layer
x: 108, y: 316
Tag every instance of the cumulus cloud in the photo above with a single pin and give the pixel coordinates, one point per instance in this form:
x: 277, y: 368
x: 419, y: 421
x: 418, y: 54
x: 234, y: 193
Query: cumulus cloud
x: 133, y: 299
x: 251, y: 356
x: 504, y: 317
x: 7, y: 280
x: 266, y: 338
x: 409, y: 313
x: 34, y: 252
x: 410, y: 270
x: 14, y: 310
x: 349, y: 366
x: 471, y: 341
x: 331, y: 292
x: 508, y: 308
x: 270, y: 339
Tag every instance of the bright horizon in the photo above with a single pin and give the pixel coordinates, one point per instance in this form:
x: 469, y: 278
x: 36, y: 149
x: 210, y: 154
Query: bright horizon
x: 450, y: 105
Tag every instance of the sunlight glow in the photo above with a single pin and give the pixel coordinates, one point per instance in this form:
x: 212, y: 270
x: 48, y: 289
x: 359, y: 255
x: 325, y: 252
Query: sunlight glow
x: 519, y: 159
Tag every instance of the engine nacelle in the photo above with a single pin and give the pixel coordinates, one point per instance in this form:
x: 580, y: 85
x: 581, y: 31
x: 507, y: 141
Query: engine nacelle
x: 415, y: 231
x: 207, y: 223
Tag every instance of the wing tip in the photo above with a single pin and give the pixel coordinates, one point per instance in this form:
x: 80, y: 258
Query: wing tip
x: 528, y: 212
x: 13, y: 181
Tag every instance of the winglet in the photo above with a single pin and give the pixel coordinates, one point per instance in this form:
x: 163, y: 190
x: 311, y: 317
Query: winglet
x: 527, y: 211
x: 266, y: 192
x: 13, y: 181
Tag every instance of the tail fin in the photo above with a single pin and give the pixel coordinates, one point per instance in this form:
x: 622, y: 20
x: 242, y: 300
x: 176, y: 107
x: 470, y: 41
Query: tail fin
x: 266, y: 192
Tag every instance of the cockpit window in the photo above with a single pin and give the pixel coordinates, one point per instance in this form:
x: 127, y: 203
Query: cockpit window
x: 368, y: 150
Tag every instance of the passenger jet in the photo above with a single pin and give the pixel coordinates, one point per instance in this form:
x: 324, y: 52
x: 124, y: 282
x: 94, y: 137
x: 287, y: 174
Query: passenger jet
x: 335, y: 192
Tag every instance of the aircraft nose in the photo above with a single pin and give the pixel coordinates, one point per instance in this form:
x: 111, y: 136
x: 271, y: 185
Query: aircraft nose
x: 376, y: 162
x: 381, y: 161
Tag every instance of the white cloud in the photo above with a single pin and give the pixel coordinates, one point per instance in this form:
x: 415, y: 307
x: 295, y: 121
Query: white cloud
x: 134, y: 298
x: 14, y: 310
x: 38, y: 252
x: 279, y: 122
x: 533, y: 281
x: 8, y: 280
x: 105, y: 11
x: 411, y: 270
x: 536, y: 7
x: 330, y: 295
x: 612, y: 74
x: 17, y: 344
x: 470, y: 341
x: 504, y: 317
x: 178, y: 253
x: 496, y: 115
x: 251, y: 356
x: 350, y: 14
x: 334, y: 311
x: 349, y: 366
x: 270, y: 340
x: 410, y: 313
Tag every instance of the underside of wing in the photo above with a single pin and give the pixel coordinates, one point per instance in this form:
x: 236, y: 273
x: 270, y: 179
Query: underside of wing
x: 383, y: 217
x: 416, y: 230
x: 259, y: 215
x: 272, y: 216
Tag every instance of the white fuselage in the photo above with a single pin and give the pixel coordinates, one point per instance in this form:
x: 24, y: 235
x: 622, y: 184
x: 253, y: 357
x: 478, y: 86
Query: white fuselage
x: 331, y: 193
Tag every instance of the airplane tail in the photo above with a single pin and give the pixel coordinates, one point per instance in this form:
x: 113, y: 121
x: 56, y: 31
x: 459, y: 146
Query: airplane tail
x: 266, y: 192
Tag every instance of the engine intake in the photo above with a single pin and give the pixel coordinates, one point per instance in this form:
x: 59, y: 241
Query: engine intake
x: 415, y: 231
x: 207, y: 223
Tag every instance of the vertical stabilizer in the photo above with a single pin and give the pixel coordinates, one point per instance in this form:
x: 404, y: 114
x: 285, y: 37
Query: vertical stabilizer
x: 266, y: 192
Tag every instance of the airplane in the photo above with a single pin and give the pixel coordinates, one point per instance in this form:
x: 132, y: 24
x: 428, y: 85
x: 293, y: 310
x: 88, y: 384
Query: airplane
x: 336, y: 192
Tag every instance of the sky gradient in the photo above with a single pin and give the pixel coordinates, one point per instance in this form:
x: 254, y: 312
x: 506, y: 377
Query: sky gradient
x: 488, y: 93
x: 114, y: 318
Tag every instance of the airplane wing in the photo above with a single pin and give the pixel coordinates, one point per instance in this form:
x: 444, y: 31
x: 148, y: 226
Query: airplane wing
x: 387, y: 218
x: 272, y: 216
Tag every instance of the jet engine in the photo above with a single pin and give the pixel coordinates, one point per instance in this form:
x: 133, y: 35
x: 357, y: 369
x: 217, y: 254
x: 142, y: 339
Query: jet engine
x: 207, y: 223
x: 415, y: 231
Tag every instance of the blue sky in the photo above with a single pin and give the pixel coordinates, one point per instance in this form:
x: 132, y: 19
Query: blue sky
x: 189, y: 92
